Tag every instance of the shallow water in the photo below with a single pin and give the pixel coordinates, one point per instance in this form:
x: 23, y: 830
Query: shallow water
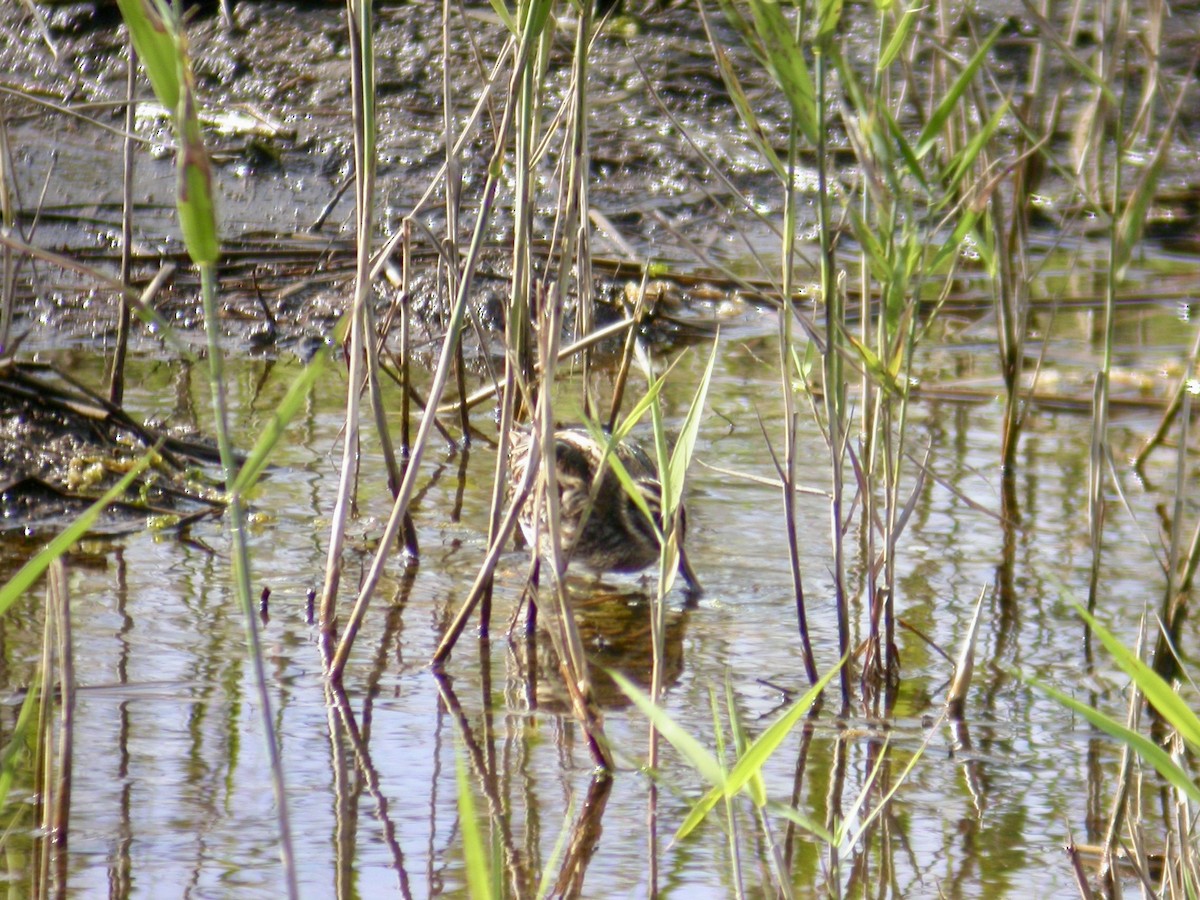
x: 171, y: 792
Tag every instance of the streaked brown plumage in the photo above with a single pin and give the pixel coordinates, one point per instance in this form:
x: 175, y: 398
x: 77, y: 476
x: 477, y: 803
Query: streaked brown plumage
x: 616, y: 536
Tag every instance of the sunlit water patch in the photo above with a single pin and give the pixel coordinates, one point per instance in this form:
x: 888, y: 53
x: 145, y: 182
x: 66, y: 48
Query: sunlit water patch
x: 171, y: 789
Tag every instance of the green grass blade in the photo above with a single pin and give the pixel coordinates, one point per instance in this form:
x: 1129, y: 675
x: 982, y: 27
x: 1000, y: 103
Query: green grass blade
x: 964, y: 160
x: 745, y: 110
x: 501, y: 9
x: 668, y: 556
x: 162, y: 47
x: 698, y: 813
x: 153, y: 36
x: 877, y: 255
x: 755, y: 786
x: 864, y: 823
x: 752, y: 761
x: 547, y: 878
x: 1140, y: 744
x: 16, y: 744
x: 785, y: 61
x: 625, y: 426
x: 816, y: 829
x: 896, y: 42
x: 479, y: 881
x: 610, y: 459
x: 291, y: 404
x: 32, y: 570
x: 951, y: 246
x: 197, y: 209
x: 1132, y: 220
x: 829, y: 13
x: 620, y: 432
x: 937, y: 122
x: 535, y: 22
x: 880, y: 373
x: 1158, y: 692
x: 685, y: 446
x: 733, y: 15
x: 693, y: 751
x: 749, y: 765
x: 1069, y: 53
x: 911, y: 163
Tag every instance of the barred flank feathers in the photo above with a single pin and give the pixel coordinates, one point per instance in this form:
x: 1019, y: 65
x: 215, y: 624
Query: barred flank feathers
x: 615, y: 536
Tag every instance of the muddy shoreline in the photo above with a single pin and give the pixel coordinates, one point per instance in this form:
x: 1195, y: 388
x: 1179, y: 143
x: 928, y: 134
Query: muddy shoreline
x: 274, y: 91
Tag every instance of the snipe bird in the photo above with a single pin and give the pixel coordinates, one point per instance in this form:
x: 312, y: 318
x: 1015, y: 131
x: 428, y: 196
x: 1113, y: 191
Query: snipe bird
x: 616, y: 536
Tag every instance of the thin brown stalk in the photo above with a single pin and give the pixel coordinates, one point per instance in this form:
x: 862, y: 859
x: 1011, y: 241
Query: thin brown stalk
x: 438, y: 386
x: 956, y: 697
x: 1173, y: 608
x: 8, y: 274
x: 488, y: 391
x: 43, y: 761
x: 564, y: 631
x: 116, y: 380
x: 1109, y: 874
x: 362, y: 93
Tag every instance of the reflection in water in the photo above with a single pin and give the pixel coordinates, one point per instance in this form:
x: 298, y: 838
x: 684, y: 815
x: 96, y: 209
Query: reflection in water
x: 615, y: 628
x: 344, y: 731
x: 585, y: 838
x: 177, y: 793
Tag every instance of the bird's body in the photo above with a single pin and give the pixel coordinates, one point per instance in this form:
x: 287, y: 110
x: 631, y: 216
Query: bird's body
x: 615, y: 535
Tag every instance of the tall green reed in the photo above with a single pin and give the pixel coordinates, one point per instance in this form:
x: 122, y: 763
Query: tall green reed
x: 1140, y: 820
x: 909, y: 210
x: 157, y: 34
x: 742, y: 778
x: 778, y: 44
x: 909, y: 224
x: 521, y: 386
x: 16, y: 758
x: 673, y: 463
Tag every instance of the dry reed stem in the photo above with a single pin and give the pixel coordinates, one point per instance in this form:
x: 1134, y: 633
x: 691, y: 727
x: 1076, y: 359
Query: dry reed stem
x: 438, y: 386
x: 116, y: 381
